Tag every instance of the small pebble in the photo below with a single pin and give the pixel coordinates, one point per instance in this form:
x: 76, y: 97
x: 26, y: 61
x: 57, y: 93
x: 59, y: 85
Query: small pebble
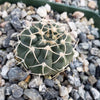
x: 49, y: 82
x: 4, y: 71
x: 63, y: 91
x: 92, y: 80
x: 91, y: 37
x: 72, y: 26
x: 17, y: 91
x: 78, y: 14
x: 74, y: 81
x: 98, y: 61
x: 92, y: 69
x: 98, y: 84
x: 92, y: 4
x: 81, y: 92
x: 48, y: 7
x: 2, y: 93
x: 8, y: 91
x: 84, y: 45
x: 23, y: 84
x: 4, y: 14
x: 63, y: 16
x: 33, y: 94
x: 24, y: 14
x: 96, y: 43
x: 95, y: 93
x: 95, y: 51
x: 12, y: 98
x: 37, y: 81
x: 88, y: 96
x: 21, y: 5
x: 42, y: 11
x: 82, y: 37
x: 16, y: 74
x: 2, y: 82
x: 42, y: 88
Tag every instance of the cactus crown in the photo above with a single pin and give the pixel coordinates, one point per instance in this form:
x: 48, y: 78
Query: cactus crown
x: 45, y: 48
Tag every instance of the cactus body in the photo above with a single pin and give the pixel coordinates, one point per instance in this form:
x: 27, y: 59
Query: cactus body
x: 45, y: 48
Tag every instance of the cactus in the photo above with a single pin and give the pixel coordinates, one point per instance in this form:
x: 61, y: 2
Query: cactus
x: 45, y: 48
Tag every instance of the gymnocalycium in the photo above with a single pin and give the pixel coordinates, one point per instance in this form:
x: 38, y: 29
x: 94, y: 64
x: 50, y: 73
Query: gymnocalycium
x: 45, y: 48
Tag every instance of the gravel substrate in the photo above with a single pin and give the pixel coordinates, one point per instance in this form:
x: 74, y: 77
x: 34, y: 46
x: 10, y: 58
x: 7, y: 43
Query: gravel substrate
x: 86, y: 4
x: 80, y: 80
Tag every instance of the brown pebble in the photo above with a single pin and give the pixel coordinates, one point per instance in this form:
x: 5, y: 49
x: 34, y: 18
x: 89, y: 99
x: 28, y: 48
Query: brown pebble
x: 2, y: 81
x: 0, y: 33
x: 78, y: 14
x: 58, y: 1
x: 3, y: 24
x: 92, y: 80
x: 91, y: 37
x: 92, y: 4
x: 23, y: 84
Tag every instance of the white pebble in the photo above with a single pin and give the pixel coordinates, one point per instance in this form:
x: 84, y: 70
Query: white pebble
x: 42, y: 11
x: 63, y: 16
x: 21, y: 5
x: 63, y: 91
x: 95, y: 93
x: 42, y: 88
x: 48, y: 7
x: 4, y: 71
x: 10, y: 55
x: 4, y: 14
x: 72, y: 26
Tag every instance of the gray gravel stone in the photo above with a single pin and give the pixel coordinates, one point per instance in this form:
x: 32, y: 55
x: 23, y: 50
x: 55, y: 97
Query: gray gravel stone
x: 2, y: 93
x: 12, y: 98
x: 16, y: 23
x: 95, y: 32
x: 74, y: 81
x: 95, y: 93
x: 60, y: 78
x: 23, y: 14
x: 98, y: 61
x: 75, y: 95
x: 98, y: 84
x: 96, y: 43
x: 36, y: 17
x: 16, y: 74
x: 16, y: 12
x: 49, y: 82
x: 50, y: 94
x: 84, y: 46
x: 92, y: 69
x: 82, y: 37
x: 17, y: 91
x: 33, y: 94
x: 95, y: 51
x: 88, y: 96
x: 81, y: 92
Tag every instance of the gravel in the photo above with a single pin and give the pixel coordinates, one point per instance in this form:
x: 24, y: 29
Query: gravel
x: 80, y: 81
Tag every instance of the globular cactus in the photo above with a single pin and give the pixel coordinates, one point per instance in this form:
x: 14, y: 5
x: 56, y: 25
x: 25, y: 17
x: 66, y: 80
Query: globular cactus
x: 45, y: 48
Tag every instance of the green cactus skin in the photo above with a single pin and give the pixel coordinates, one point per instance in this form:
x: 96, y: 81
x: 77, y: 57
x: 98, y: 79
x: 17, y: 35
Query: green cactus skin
x: 45, y: 48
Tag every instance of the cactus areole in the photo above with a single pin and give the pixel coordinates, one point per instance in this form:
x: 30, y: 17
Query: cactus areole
x: 45, y: 48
